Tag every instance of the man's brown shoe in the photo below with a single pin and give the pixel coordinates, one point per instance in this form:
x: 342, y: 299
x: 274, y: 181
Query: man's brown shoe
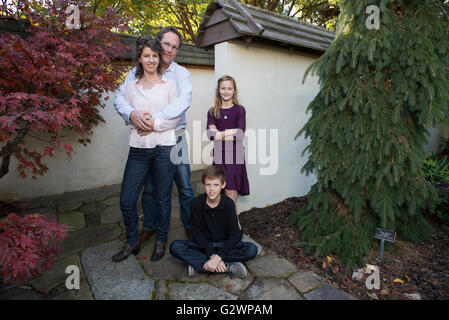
x: 146, y: 234
x: 189, y: 234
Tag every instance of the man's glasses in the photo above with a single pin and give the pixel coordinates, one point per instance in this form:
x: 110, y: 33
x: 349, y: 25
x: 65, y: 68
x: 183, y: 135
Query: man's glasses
x: 168, y: 46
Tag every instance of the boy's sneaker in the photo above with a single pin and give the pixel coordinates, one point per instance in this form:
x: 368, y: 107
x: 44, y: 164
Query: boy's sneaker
x: 237, y: 269
x: 192, y: 271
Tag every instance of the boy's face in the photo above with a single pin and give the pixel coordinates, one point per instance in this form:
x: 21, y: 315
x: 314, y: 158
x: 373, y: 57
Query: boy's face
x: 213, y: 187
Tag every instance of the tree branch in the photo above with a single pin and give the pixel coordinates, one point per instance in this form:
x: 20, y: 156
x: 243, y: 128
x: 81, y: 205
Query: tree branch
x: 8, y: 150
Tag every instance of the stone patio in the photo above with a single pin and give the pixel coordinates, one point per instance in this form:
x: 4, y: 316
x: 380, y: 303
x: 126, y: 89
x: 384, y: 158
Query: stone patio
x: 98, y: 233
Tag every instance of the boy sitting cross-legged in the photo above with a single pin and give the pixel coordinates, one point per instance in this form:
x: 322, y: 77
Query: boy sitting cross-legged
x: 217, y: 245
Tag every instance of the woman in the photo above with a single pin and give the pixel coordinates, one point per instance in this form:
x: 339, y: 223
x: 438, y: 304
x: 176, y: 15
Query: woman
x: 149, y: 153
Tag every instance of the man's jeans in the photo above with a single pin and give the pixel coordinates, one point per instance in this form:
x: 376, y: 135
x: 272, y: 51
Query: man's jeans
x: 182, y: 181
x: 142, y: 165
x: 190, y: 252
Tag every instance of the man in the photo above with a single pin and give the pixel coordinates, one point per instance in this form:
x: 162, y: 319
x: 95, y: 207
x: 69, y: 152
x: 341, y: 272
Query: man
x: 171, y: 41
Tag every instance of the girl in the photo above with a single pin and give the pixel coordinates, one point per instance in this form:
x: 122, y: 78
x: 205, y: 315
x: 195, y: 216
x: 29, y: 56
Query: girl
x: 226, y: 124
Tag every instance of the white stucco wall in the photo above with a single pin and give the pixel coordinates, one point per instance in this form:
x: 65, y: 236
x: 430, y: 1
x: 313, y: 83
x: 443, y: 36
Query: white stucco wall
x: 102, y: 162
x: 269, y: 82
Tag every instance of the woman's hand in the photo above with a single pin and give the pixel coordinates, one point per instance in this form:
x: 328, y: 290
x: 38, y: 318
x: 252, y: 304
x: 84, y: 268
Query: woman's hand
x: 142, y: 120
x: 150, y: 121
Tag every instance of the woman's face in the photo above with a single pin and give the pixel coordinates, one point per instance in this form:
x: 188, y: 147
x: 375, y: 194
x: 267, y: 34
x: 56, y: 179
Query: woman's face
x: 226, y: 90
x: 149, y: 60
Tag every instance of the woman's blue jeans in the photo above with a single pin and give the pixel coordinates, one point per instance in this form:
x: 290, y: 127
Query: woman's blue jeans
x: 142, y: 164
x: 182, y: 181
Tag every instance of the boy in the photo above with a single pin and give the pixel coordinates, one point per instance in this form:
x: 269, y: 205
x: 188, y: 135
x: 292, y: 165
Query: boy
x: 217, y: 245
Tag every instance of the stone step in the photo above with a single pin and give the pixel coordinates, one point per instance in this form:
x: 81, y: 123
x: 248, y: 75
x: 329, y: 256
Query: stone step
x: 71, y: 201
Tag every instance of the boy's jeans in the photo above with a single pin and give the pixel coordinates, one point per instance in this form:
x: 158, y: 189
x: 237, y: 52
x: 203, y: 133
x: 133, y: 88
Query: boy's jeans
x: 190, y: 252
x: 143, y: 164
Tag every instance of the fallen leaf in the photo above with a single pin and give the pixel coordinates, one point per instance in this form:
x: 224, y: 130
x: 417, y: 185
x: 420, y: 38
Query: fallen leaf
x: 336, y: 270
x: 408, y: 278
x: 228, y: 286
x: 383, y: 292
x: 324, y: 265
x: 434, y: 282
x: 372, y: 295
x: 398, y: 281
x: 329, y: 259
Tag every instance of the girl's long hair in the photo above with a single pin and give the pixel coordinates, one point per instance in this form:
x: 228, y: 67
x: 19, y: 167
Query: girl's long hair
x: 215, y: 110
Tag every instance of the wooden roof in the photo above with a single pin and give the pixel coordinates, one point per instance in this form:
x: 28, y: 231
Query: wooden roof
x: 229, y: 19
x: 188, y: 53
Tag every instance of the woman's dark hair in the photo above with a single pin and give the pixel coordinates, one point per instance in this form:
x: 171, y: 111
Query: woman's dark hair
x: 142, y: 43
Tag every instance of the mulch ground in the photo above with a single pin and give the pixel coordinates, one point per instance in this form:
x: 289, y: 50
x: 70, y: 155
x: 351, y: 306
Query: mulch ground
x: 408, y: 269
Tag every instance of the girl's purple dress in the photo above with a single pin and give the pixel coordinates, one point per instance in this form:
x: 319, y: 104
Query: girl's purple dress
x: 230, y: 155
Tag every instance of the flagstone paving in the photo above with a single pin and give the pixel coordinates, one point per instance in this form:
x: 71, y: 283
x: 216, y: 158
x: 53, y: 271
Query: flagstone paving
x: 98, y: 233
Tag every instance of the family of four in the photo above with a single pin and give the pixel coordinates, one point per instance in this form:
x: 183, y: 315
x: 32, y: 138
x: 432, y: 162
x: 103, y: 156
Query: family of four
x: 153, y: 101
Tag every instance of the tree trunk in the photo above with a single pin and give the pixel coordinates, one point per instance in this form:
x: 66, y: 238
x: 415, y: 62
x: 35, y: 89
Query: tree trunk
x: 8, y: 150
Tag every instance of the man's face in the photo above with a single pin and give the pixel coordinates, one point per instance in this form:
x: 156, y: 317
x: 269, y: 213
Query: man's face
x: 213, y: 187
x: 170, y: 47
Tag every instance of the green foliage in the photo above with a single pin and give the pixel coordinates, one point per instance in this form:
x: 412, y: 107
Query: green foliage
x: 380, y: 91
x: 436, y: 170
x: 149, y: 16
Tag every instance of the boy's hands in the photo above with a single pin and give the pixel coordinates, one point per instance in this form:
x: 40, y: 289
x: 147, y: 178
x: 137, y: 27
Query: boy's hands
x: 221, y: 267
x: 215, y: 264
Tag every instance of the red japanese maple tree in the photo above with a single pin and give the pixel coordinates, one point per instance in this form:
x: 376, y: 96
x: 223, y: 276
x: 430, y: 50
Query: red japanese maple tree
x: 53, y: 79
x: 28, y: 246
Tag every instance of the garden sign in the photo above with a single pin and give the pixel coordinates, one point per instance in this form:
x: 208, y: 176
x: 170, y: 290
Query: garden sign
x: 384, y: 235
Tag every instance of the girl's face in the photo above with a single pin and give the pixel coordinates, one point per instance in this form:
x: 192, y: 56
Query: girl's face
x: 226, y: 89
x: 149, y: 60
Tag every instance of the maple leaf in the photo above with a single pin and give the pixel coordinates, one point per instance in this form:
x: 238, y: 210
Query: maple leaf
x: 57, y: 97
x: 69, y: 150
x: 49, y: 151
